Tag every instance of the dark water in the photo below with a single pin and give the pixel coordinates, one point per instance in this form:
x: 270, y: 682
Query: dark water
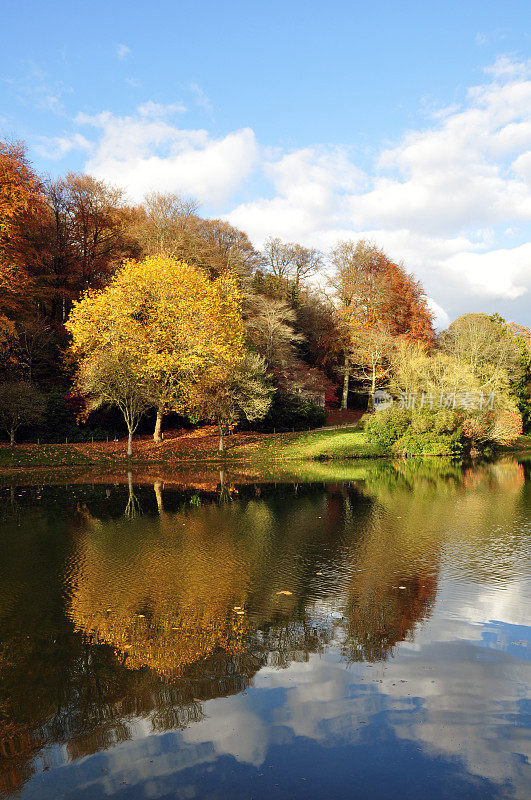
x: 360, y: 639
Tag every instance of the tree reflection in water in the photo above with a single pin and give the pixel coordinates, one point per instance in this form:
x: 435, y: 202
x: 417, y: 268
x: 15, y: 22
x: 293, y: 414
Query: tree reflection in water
x: 107, y: 618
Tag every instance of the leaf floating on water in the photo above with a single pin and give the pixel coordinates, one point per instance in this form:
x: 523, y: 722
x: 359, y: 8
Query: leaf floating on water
x: 237, y: 608
x: 401, y: 587
x: 240, y: 612
x: 319, y: 573
x: 284, y: 591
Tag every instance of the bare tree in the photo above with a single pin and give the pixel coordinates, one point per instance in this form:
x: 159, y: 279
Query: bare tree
x: 291, y: 262
x: 307, y: 261
x: 167, y: 216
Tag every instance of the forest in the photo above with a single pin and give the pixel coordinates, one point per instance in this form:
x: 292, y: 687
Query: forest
x: 118, y: 318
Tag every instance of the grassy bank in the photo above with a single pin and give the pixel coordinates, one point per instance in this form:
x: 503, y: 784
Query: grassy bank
x: 183, y: 447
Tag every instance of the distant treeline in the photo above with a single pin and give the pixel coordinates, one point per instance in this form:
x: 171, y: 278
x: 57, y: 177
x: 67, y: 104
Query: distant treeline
x: 321, y: 328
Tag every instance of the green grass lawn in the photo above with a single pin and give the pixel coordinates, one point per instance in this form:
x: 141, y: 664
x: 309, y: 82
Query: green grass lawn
x: 341, y: 443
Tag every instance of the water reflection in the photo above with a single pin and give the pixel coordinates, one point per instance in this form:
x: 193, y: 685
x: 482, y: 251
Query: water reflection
x: 258, y: 620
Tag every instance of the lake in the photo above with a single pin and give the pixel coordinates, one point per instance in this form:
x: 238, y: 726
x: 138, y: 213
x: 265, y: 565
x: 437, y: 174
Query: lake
x: 362, y: 631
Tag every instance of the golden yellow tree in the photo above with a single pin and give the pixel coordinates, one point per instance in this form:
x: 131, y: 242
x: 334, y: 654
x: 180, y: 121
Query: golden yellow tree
x: 166, y: 324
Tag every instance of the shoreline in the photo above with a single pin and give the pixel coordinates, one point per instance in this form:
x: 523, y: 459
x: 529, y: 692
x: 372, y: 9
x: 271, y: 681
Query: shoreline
x: 198, y: 450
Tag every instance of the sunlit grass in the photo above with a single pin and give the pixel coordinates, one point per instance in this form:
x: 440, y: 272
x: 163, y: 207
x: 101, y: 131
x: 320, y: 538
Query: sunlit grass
x: 265, y: 451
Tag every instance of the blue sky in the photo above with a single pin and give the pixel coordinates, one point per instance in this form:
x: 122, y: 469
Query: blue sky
x: 407, y: 122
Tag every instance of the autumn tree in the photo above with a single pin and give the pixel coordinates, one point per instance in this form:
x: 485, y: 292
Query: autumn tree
x: 373, y: 294
x: 416, y: 370
x: 169, y: 223
x: 371, y: 350
x: 225, y: 248
x: 108, y: 345
x: 81, y: 240
x: 20, y: 200
x: 307, y: 261
x: 192, y: 326
x: 167, y: 323
x: 21, y: 404
x: 162, y: 223
x: 290, y: 264
x: 244, y: 394
x: 316, y: 321
x: 269, y: 327
x: 484, y: 344
x: 278, y: 258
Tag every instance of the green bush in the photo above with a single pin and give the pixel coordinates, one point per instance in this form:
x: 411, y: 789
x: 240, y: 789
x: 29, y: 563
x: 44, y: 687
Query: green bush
x: 414, y: 433
x: 421, y: 422
x: 429, y: 443
x: 384, y: 428
x: 445, y: 421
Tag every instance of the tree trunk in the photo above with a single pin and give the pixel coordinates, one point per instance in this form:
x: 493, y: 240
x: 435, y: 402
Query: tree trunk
x: 158, y: 494
x: 370, y: 403
x: 157, y: 433
x: 220, y: 439
x: 344, y: 399
x: 12, y: 437
x: 130, y: 443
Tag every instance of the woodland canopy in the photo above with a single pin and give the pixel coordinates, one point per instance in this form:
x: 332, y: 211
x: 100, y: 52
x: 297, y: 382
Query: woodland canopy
x: 153, y: 310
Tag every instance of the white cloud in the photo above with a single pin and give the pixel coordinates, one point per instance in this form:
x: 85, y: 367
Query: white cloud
x: 436, y: 199
x: 441, y: 320
x: 122, y: 50
x: 151, y: 109
x: 507, y: 67
x: 145, y: 151
x: 451, y: 199
x: 201, y: 98
x: 57, y: 147
x: 498, y: 273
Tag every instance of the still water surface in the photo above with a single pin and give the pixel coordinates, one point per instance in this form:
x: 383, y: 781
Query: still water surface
x: 366, y: 638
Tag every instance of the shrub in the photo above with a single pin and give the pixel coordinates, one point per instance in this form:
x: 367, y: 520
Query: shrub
x: 384, y: 428
x: 506, y: 427
x: 445, y: 421
x: 421, y: 422
x: 474, y: 428
x: 429, y: 443
x: 286, y: 413
x: 417, y: 432
x: 442, y: 432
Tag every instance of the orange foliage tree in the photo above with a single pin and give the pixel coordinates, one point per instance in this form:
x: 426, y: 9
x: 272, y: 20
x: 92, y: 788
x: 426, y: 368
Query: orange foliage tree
x: 375, y: 299
x: 20, y: 199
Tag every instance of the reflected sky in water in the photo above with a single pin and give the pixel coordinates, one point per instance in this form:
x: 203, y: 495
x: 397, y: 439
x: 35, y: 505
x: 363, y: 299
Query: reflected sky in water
x: 365, y: 637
